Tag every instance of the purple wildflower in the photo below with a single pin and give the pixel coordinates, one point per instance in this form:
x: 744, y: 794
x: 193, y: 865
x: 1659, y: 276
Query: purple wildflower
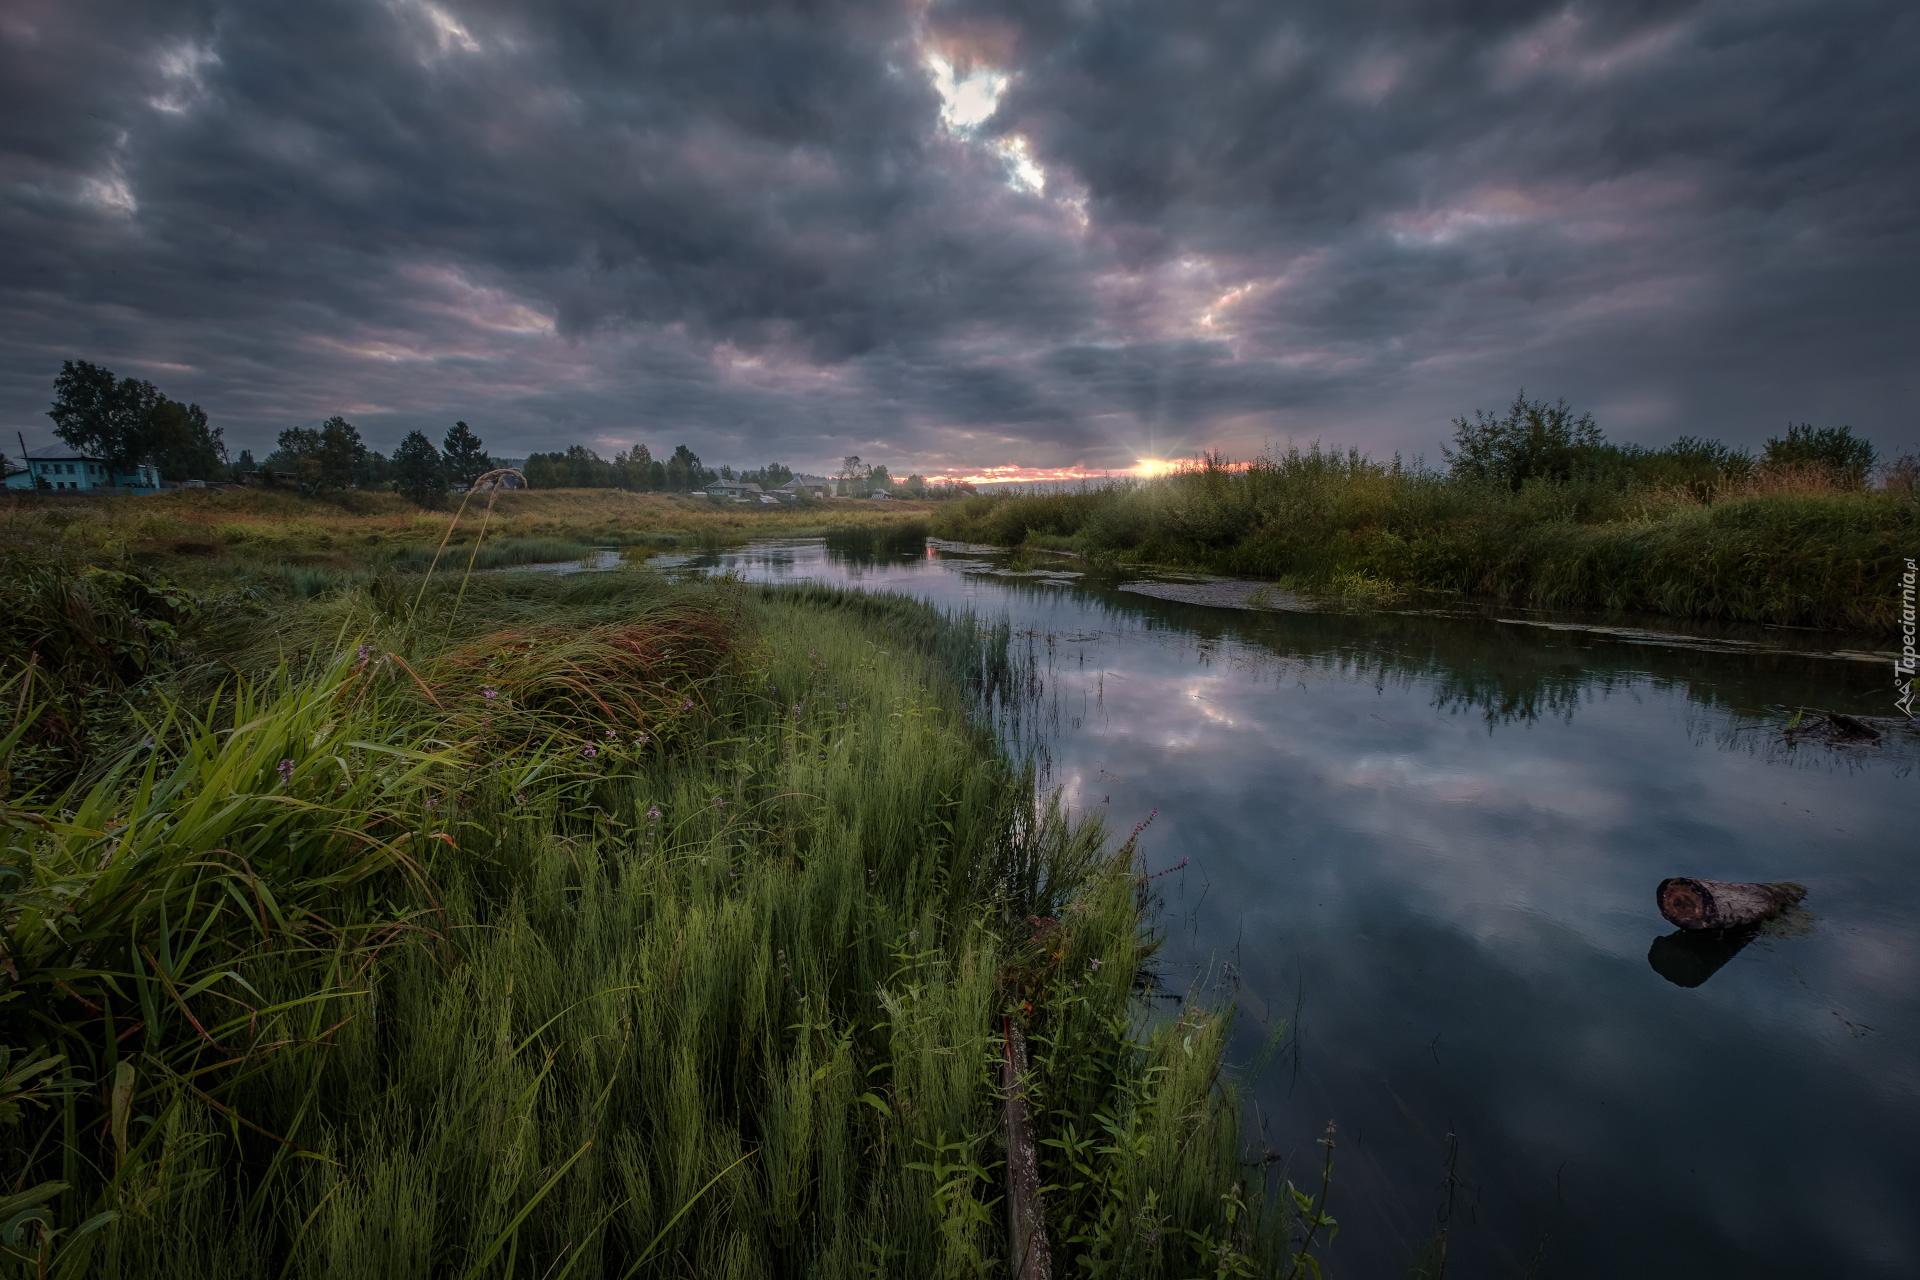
x: 1094, y: 964
x: 365, y: 649
x: 519, y: 797
x: 914, y: 936
x: 589, y: 752
x: 686, y: 704
x: 286, y: 771
x: 610, y: 735
x: 490, y: 692
x: 653, y: 815
x: 719, y: 803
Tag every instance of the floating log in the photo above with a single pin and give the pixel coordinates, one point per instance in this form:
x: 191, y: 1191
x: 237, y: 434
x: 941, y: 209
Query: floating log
x: 1724, y: 904
x: 1846, y: 726
x: 1026, y: 1218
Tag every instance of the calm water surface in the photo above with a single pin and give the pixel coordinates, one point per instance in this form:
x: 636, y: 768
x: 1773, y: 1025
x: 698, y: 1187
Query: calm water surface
x: 1429, y: 845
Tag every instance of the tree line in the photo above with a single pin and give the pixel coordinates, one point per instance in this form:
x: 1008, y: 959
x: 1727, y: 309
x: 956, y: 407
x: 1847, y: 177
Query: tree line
x: 127, y: 422
x: 1535, y: 440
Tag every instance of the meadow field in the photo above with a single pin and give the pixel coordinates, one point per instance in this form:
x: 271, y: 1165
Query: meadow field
x: 395, y: 924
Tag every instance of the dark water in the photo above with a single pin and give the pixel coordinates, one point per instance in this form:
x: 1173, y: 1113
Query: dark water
x: 1430, y: 845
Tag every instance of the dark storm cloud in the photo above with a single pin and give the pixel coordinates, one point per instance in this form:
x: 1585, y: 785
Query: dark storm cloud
x: 752, y: 227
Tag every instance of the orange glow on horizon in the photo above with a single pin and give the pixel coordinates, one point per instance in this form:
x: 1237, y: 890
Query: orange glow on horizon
x: 1142, y: 469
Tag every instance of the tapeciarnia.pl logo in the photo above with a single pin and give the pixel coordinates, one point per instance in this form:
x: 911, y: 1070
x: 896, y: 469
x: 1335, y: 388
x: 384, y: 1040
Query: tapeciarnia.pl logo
x: 1903, y: 666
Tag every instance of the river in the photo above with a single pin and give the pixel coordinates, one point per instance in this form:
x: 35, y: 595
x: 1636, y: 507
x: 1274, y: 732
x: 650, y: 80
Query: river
x: 1428, y: 842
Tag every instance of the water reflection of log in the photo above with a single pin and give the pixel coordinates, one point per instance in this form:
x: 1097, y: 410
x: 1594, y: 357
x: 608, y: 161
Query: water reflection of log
x: 1687, y: 958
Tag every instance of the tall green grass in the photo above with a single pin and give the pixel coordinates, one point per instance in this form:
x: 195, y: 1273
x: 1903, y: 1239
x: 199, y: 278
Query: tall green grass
x: 1802, y: 556
x: 691, y: 963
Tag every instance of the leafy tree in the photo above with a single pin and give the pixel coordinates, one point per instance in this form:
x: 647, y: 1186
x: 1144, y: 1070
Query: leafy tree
x: 372, y: 471
x: 634, y: 469
x: 419, y: 473
x: 1534, y: 440
x: 183, y: 444
x: 879, y: 479
x: 466, y: 460
x: 324, y: 457
x: 771, y: 476
x: 853, y: 476
x: 577, y: 468
x: 127, y: 421
x: 684, y: 472
x: 916, y: 486
x: 244, y: 463
x: 1836, y: 450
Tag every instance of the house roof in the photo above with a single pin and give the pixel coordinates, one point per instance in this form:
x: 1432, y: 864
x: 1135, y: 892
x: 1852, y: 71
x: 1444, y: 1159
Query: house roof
x: 61, y: 453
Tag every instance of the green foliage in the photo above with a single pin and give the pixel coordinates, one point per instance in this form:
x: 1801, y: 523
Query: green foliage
x: 684, y: 952
x: 1690, y: 530
x: 72, y: 641
x: 683, y: 472
x: 127, y: 421
x: 771, y: 476
x: 1834, y: 450
x: 419, y: 473
x: 324, y: 458
x: 1534, y: 440
x: 466, y: 458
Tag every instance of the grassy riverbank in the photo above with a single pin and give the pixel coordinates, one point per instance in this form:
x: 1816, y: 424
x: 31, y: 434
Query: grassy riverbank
x: 1793, y: 550
x: 585, y: 926
x: 305, y: 541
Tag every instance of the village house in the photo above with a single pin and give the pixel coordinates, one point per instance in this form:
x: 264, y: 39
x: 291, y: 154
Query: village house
x: 59, y: 467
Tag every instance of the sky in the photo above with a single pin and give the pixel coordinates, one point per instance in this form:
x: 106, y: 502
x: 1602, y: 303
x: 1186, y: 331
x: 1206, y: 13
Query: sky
x: 969, y: 238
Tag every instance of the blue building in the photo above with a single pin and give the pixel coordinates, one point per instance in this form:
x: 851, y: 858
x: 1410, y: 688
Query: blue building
x: 64, y: 468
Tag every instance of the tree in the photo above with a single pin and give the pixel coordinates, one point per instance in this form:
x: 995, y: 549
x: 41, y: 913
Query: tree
x: 879, y: 479
x: 684, y: 472
x: 634, y: 468
x: 466, y: 461
x: 181, y: 442
x: 127, y: 421
x: 853, y: 475
x: 1534, y: 440
x: 771, y: 476
x: 1835, y: 450
x: 245, y: 463
x: 419, y: 474
x: 324, y: 457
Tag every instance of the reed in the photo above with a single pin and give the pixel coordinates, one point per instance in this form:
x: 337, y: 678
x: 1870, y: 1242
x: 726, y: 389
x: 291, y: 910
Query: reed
x: 684, y: 953
x: 1770, y: 545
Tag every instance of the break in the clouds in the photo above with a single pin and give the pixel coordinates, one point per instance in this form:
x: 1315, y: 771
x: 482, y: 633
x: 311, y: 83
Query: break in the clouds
x: 965, y: 235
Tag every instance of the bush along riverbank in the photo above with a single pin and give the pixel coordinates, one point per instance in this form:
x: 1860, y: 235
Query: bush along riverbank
x: 590, y: 926
x: 1692, y: 531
